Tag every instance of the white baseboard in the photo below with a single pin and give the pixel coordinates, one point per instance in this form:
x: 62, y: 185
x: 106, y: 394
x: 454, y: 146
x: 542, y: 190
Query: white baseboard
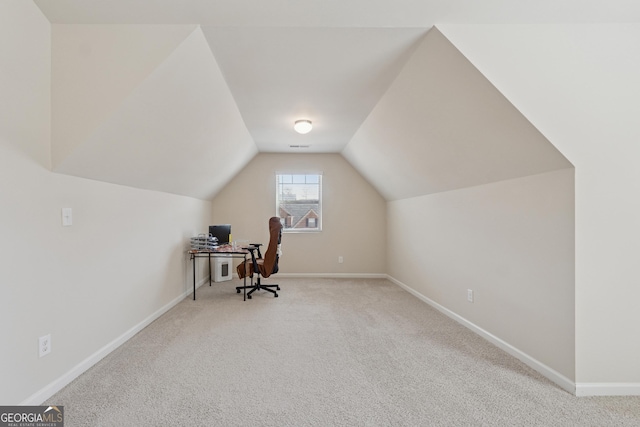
x: 42, y: 395
x: 326, y: 275
x: 333, y: 275
x: 607, y: 389
x: 579, y: 389
x: 540, y: 367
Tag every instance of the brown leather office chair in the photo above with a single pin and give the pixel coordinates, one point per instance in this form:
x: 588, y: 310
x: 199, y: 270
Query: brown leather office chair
x: 263, y: 267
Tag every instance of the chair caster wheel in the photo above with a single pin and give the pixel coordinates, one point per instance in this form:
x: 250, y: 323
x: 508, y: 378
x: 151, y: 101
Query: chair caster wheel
x: 249, y: 296
x: 278, y: 288
x: 237, y: 291
x: 275, y: 295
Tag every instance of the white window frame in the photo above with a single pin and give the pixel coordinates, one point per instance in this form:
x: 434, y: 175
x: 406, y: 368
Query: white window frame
x: 297, y: 176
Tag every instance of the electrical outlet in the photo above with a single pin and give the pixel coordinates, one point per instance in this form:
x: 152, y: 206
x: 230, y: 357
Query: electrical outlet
x: 44, y: 345
x: 340, y: 260
x: 469, y: 295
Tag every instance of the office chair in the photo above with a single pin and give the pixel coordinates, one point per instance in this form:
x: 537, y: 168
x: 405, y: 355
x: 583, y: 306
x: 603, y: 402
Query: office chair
x: 263, y: 267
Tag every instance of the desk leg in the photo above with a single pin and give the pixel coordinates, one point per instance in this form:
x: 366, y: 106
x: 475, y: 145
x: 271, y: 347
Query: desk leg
x: 245, y: 280
x: 209, y: 269
x: 194, y: 276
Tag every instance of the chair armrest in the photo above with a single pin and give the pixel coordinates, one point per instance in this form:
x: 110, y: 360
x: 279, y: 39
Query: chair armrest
x: 255, y: 247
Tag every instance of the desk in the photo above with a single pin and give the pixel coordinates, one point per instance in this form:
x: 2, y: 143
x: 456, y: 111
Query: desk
x: 225, y: 250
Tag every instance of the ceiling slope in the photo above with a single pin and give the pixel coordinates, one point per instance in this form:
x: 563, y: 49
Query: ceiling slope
x: 442, y: 126
x: 333, y: 76
x: 573, y: 82
x: 178, y: 131
x: 95, y: 67
x: 276, y: 60
x: 352, y: 13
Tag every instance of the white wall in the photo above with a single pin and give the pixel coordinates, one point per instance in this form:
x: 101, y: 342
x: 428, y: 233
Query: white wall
x: 353, y: 215
x: 474, y: 204
x: 579, y: 85
x: 512, y: 243
x: 87, y: 285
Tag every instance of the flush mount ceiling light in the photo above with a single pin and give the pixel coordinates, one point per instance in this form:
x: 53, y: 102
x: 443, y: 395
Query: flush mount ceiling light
x: 302, y: 126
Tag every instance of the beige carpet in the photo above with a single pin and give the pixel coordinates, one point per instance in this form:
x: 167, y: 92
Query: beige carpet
x: 325, y: 353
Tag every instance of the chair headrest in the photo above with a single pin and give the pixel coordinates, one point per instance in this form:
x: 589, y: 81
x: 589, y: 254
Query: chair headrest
x: 275, y: 224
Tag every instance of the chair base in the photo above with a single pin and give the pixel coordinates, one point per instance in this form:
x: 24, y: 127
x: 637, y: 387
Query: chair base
x: 258, y: 286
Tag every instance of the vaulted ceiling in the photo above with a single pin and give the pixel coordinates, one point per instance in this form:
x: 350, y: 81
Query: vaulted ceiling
x: 179, y: 95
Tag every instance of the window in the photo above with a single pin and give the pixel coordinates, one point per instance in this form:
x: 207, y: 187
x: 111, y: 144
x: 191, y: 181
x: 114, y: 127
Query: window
x: 299, y: 201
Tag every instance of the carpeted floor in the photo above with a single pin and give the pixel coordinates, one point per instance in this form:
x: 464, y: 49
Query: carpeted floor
x: 325, y: 353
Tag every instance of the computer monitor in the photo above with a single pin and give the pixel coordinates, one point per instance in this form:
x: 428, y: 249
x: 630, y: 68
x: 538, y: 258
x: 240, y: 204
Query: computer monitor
x: 221, y: 232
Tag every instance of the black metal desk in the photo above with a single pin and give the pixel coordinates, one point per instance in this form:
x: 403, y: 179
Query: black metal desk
x: 225, y: 250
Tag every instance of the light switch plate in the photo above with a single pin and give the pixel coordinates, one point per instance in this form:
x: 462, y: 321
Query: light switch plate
x: 67, y: 217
